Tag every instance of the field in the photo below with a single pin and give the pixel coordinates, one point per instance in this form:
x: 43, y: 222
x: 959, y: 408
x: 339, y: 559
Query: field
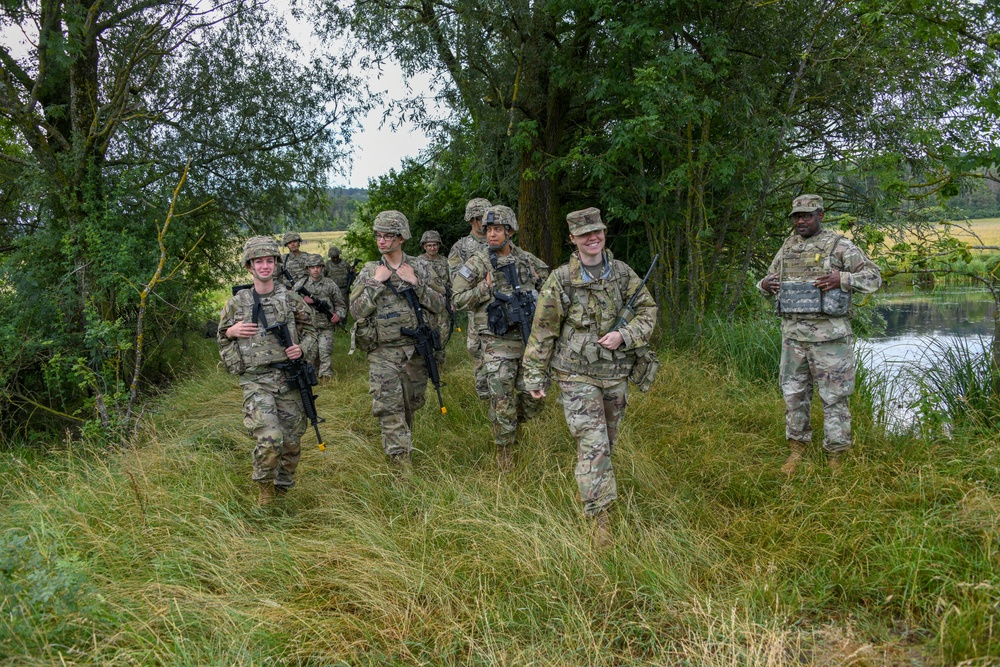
x: 318, y: 242
x: 157, y: 554
x: 987, y: 229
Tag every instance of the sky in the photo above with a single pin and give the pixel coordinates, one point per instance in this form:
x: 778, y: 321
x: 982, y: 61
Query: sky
x: 377, y: 148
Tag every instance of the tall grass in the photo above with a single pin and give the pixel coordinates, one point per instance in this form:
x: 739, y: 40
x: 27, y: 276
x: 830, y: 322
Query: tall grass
x: 160, y: 556
x: 961, y: 388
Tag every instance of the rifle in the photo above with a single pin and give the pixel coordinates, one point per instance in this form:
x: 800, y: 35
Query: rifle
x: 518, y: 308
x: 352, y: 273
x: 301, y: 375
x: 627, y: 311
x: 317, y: 304
x: 426, y: 340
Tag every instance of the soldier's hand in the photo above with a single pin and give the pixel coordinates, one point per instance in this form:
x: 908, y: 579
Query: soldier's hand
x: 335, y: 318
x: 537, y: 393
x: 242, y: 330
x: 294, y: 352
x: 489, y: 279
x: 406, y: 273
x: 611, y: 340
x: 308, y: 299
x: 382, y: 273
x: 829, y: 281
x: 771, y: 283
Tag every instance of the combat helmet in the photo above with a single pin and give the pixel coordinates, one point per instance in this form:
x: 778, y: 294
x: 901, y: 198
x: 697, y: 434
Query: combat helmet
x: 334, y: 251
x: 476, y: 207
x: 260, y: 246
x: 392, y: 222
x: 313, y: 260
x: 289, y: 237
x: 500, y: 215
x: 430, y: 236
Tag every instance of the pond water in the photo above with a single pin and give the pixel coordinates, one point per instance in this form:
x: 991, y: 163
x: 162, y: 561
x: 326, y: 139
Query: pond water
x: 919, y: 329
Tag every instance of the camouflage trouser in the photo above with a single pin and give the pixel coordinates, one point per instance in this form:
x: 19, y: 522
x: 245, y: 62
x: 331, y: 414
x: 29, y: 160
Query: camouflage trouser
x: 830, y: 366
x: 397, y: 381
x: 593, y: 415
x: 276, y: 421
x: 472, y: 344
x: 324, y: 352
x: 510, y: 402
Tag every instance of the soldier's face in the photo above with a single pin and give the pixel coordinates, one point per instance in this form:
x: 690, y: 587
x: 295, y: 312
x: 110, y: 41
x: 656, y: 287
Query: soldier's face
x: 432, y: 248
x: 262, y: 268
x: 477, y: 224
x: 590, y: 245
x: 335, y: 260
x: 315, y: 272
x: 293, y: 246
x: 807, y: 224
x: 496, y: 235
x: 388, y: 242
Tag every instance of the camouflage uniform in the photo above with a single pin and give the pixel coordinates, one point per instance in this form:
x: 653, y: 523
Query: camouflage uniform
x: 574, y: 311
x: 296, y: 267
x: 442, y: 282
x: 325, y: 290
x: 397, y: 374
x: 816, y: 348
x: 337, y: 271
x: 510, y: 402
x: 459, y: 254
x: 272, y: 411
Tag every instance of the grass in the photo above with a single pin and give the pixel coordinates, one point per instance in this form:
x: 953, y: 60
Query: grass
x: 987, y: 229
x: 157, y: 555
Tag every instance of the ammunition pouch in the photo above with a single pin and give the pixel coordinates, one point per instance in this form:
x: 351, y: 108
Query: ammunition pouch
x: 804, y: 298
x: 364, y: 336
x: 644, y: 369
x: 232, y: 359
x: 498, y: 318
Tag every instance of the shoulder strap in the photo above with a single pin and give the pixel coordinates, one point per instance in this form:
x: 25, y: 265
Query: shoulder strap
x: 258, y: 310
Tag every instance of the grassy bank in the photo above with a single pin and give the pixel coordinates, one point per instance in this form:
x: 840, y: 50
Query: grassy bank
x: 158, y: 555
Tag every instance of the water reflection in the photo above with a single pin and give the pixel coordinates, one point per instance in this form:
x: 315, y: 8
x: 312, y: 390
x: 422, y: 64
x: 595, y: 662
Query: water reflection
x: 918, y: 331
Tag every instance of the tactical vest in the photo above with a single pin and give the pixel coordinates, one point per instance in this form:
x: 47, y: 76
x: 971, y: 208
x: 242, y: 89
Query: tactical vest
x: 802, y: 262
x: 262, y: 349
x: 577, y: 350
x: 481, y: 316
x: 392, y: 313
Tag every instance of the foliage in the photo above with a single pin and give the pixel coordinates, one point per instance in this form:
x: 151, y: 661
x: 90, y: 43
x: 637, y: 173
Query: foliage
x: 718, y: 559
x: 960, y: 390
x: 99, y: 117
x: 426, y: 199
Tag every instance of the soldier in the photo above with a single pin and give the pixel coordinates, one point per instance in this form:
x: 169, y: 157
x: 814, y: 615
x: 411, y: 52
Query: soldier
x: 572, y: 333
x: 397, y: 373
x: 430, y: 241
x: 477, y: 284
x: 336, y: 270
x: 293, y: 266
x: 813, y: 276
x: 324, y: 294
x: 272, y: 411
x: 460, y: 253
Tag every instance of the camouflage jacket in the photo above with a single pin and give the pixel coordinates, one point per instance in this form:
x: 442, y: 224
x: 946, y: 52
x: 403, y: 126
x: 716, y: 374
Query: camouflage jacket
x: 382, y: 310
x: 473, y: 294
x: 462, y: 251
x: 440, y: 270
x: 296, y: 267
x: 858, y: 274
x: 328, y: 291
x: 337, y: 272
x: 574, y: 311
x: 251, y: 358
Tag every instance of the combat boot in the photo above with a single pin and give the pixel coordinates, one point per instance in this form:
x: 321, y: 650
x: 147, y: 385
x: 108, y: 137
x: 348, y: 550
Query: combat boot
x: 797, y: 450
x: 833, y: 460
x: 400, y: 460
x: 505, y: 459
x: 601, y: 531
x: 266, y: 495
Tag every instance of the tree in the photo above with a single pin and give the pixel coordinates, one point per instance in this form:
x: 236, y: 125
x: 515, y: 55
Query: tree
x: 105, y: 108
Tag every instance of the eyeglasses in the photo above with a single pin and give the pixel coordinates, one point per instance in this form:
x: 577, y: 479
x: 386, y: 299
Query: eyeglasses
x: 379, y: 236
